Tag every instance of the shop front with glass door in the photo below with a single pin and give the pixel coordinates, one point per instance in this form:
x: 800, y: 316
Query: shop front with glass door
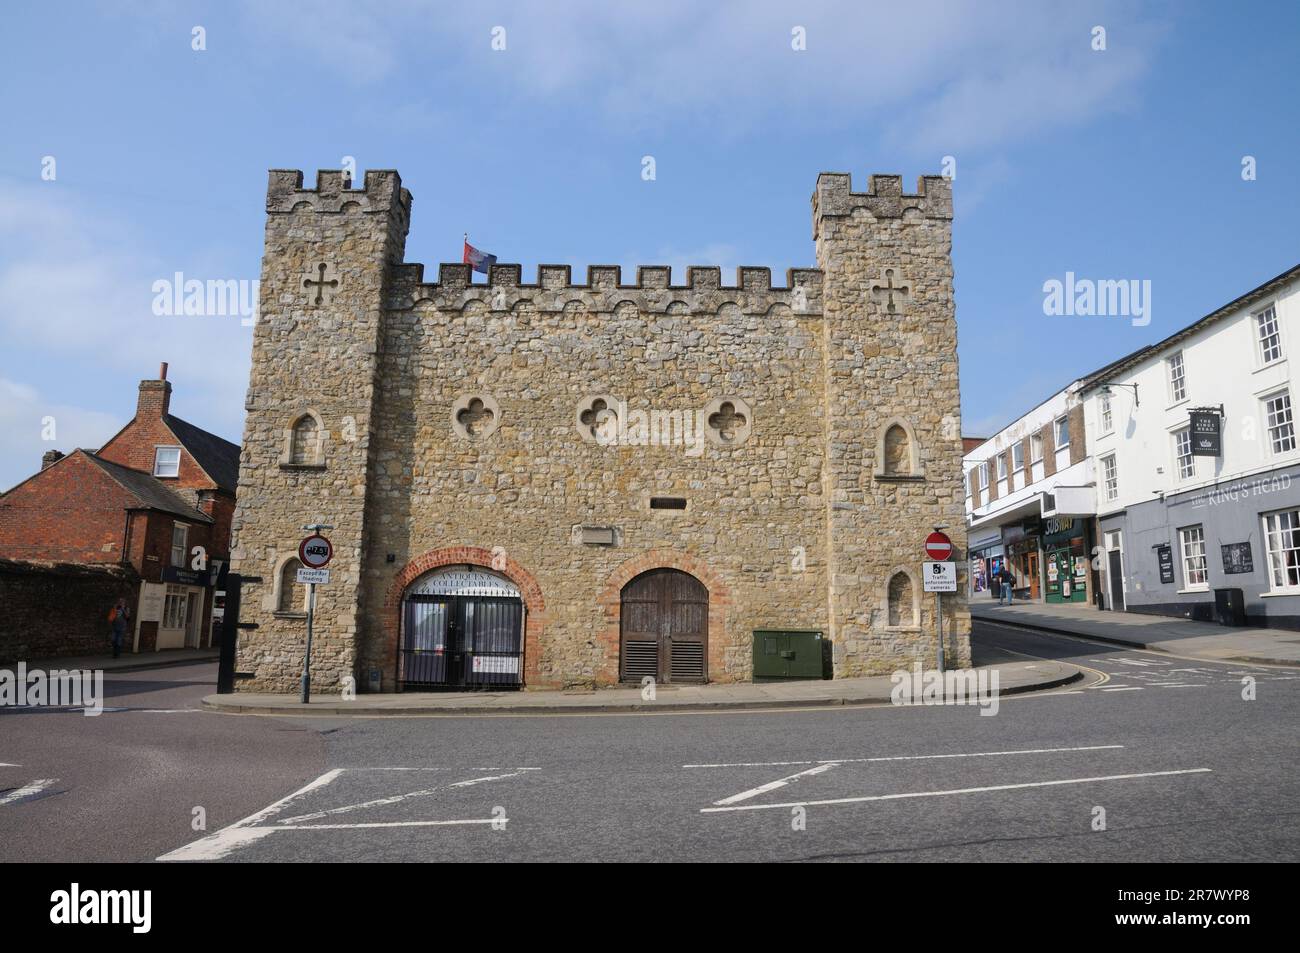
x: 1065, y: 557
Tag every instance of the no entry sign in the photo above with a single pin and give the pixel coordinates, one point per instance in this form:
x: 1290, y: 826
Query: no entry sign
x: 938, y: 546
x: 315, y: 552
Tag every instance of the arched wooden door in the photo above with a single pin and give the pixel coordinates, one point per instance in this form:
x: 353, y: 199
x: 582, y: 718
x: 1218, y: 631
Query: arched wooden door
x: 664, y: 628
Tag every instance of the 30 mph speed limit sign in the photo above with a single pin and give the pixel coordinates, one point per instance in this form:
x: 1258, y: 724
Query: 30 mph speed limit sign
x: 315, y: 552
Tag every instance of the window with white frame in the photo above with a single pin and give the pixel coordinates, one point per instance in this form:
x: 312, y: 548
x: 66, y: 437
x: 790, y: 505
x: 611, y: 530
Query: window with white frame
x: 1062, y: 432
x: 1184, y: 462
x: 1177, y: 378
x: 1269, y: 337
x: 1002, y: 466
x: 1107, y: 419
x: 1110, y: 477
x: 1282, y: 540
x: 1017, y: 456
x: 166, y: 461
x: 984, y: 476
x: 1036, y: 448
x: 180, y: 533
x: 1191, y: 541
x: 1278, y: 421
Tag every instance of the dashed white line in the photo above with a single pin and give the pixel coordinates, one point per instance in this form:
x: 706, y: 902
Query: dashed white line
x: 980, y: 790
x: 1131, y: 688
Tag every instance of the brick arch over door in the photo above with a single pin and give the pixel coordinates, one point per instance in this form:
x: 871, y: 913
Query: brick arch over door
x: 611, y: 601
x: 529, y: 591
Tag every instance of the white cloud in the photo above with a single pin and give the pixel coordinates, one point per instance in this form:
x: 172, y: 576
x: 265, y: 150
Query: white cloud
x: 936, y: 75
x: 27, y: 417
x: 79, y: 332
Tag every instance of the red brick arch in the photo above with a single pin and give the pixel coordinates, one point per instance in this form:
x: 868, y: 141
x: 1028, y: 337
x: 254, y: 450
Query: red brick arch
x: 611, y: 601
x: 529, y: 591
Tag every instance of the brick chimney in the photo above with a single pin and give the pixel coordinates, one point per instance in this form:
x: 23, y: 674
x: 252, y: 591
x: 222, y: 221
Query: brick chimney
x: 155, y: 396
x: 50, y: 457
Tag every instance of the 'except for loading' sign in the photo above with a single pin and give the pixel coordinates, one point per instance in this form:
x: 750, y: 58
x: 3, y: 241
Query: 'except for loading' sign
x: 315, y: 552
x: 938, y: 546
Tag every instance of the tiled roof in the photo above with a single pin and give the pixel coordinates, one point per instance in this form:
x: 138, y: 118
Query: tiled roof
x: 147, y: 490
x: 219, y: 458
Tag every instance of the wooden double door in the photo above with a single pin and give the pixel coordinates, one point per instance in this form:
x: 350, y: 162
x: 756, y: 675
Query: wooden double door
x: 665, y: 628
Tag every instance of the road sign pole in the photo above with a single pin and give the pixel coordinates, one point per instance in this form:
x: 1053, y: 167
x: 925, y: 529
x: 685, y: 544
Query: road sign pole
x: 939, y: 628
x: 306, y: 658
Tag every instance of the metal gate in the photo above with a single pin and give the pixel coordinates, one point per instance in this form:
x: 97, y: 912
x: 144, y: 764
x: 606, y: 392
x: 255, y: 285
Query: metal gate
x: 461, y: 642
x: 664, y: 628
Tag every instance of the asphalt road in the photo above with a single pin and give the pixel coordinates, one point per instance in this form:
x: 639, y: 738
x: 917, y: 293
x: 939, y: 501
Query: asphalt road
x: 1182, y: 766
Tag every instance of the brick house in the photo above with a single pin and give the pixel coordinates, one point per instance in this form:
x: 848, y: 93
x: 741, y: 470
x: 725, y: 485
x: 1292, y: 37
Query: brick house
x: 153, y: 504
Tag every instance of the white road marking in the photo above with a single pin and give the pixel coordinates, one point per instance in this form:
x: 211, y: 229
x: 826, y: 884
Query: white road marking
x: 904, y: 757
x: 980, y: 790
x: 1132, y: 688
x: 27, y: 790
x: 773, y: 785
x: 6, y: 764
x: 350, y: 827
x: 1140, y: 662
x: 242, y: 833
x: 1181, y: 686
x: 395, y: 799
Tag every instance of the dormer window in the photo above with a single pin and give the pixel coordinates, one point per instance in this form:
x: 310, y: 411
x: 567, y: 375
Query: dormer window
x: 167, y: 461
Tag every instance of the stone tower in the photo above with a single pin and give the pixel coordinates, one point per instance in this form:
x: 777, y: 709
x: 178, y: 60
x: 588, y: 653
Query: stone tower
x: 328, y: 259
x: 893, y: 413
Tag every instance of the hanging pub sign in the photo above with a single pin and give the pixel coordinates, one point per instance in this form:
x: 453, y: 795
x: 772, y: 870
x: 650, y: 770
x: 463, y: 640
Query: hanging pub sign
x: 1165, y: 557
x: 1206, y: 439
x: 1237, y: 559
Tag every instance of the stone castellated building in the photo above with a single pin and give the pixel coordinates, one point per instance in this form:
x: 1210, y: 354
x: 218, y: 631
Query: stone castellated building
x: 565, y: 483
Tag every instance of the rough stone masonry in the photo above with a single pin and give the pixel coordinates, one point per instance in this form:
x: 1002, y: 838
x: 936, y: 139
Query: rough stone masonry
x: 806, y: 439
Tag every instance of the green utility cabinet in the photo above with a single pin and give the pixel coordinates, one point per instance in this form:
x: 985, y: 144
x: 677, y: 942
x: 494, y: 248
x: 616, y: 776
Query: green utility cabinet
x: 787, y: 653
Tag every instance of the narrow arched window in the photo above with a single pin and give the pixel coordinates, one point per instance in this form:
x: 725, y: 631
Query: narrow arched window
x: 901, y: 600
x: 293, y: 594
x: 898, y: 451
x: 304, y: 444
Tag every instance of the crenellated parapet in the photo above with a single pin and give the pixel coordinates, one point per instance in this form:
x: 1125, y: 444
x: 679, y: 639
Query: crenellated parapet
x: 884, y: 197
x: 381, y: 192
x: 653, y: 289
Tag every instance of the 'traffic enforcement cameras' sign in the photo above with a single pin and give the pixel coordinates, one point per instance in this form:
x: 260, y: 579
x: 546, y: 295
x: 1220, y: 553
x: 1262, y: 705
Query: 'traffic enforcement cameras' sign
x: 939, y: 577
x: 315, y: 552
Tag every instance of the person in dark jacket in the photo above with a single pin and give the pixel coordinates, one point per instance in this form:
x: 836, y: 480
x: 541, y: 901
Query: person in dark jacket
x: 119, y: 617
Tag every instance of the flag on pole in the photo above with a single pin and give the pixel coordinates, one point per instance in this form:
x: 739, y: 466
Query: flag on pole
x: 480, y: 261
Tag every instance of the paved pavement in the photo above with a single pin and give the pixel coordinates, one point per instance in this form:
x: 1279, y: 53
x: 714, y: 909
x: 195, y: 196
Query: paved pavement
x: 1157, y: 633
x: 1013, y: 677
x: 139, y: 662
x: 1149, y: 758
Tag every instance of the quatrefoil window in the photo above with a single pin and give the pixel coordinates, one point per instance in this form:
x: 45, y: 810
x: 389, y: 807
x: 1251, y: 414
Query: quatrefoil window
x: 728, y: 421
x: 475, y: 416
x: 597, y: 418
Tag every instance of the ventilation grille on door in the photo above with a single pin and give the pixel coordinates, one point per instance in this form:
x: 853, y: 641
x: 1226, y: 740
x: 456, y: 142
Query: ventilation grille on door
x: 688, y: 660
x: 641, y: 659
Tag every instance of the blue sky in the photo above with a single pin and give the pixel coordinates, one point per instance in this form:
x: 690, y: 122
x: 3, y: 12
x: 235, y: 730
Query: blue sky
x: 1122, y: 163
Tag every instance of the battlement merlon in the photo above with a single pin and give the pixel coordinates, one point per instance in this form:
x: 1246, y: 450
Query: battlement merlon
x: 749, y: 278
x: 884, y: 197
x: 381, y: 192
x: 653, y: 287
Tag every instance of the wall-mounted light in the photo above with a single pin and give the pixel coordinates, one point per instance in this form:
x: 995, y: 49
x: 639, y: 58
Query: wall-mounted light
x: 1105, y: 391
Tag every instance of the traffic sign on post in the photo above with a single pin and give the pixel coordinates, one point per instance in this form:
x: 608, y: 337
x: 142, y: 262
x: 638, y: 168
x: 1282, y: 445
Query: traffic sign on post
x: 938, y: 546
x: 315, y: 552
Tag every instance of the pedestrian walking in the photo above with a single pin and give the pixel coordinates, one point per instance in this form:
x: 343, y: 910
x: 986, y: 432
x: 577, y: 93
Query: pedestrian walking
x: 118, y: 618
